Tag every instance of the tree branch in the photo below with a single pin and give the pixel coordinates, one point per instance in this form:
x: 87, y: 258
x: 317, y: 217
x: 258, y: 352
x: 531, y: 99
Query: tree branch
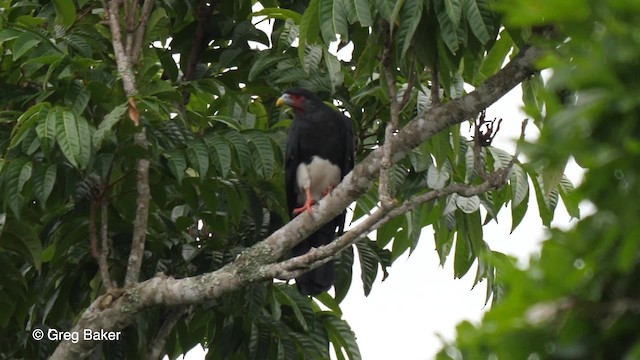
x: 296, y: 266
x: 142, y: 168
x: 156, y: 346
x: 249, y: 266
x: 147, y: 7
x: 386, y: 199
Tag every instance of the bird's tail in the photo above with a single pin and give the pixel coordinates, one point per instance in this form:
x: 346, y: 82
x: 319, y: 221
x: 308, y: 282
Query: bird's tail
x: 320, y: 279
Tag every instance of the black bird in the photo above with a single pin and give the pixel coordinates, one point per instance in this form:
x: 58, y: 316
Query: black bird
x: 320, y: 152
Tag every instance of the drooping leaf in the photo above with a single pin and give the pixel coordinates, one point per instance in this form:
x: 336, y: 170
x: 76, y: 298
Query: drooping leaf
x: 363, y: 12
x: 104, y: 129
x: 333, y: 20
x: 198, y: 155
x: 66, y: 12
x: 475, y: 20
x: 309, y: 28
x: 67, y: 135
x: 44, y: 178
x: 220, y: 153
x: 410, y: 17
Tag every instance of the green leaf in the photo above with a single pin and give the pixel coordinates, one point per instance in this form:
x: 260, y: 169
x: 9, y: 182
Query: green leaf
x: 262, y: 62
x: 312, y: 57
x: 279, y: 13
x: 227, y: 120
x: 241, y: 149
x: 385, y: 7
x: 65, y: 11
x: 454, y: 10
x: 495, y: 57
x: 333, y: 20
x: 21, y: 236
x: 284, y: 298
x: 263, y: 156
x: 519, y: 185
x: 177, y: 163
x: 519, y: 211
x: 220, y: 154
x: 25, y: 175
x: 333, y: 69
x: 67, y: 135
x: 469, y: 242
x: 368, y: 264
x: 409, y: 20
x: 341, y: 336
x: 24, y: 43
x: 437, y: 178
x: 448, y: 30
x: 26, y: 122
x: 14, y: 197
x: 46, y: 129
x: 198, y: 155
x: 363, y: 12
x: 476, y: 22
x: 104, y: 129
x: 44, y: 178
x: 309, y: 28
x: 84, y: 132
x: 468, y: 205
x: 569, y: 197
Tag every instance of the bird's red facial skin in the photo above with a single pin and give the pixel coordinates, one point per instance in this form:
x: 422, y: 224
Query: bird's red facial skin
x: 296, y: 102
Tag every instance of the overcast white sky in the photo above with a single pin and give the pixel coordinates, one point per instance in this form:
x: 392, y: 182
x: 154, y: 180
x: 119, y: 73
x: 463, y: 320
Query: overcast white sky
x: 404, y: 316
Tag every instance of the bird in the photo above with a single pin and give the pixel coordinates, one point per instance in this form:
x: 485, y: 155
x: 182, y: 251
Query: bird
x: 320, y: 151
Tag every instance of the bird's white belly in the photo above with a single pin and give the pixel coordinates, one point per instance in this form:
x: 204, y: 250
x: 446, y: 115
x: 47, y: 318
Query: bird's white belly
x: 320, y: 175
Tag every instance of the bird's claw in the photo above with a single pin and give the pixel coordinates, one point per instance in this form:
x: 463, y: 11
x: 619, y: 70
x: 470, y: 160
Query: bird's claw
x: 307, y: 206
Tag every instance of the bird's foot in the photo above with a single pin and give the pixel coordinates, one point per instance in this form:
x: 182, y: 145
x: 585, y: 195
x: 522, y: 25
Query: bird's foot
x: 328, y: 191
x: 307, y: 206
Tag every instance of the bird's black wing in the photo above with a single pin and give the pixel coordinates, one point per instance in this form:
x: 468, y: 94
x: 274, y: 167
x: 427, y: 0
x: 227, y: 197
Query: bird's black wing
x: 292, y: 160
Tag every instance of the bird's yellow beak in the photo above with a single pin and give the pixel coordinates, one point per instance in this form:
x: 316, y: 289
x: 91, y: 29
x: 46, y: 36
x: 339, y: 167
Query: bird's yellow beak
x: 281, y: 101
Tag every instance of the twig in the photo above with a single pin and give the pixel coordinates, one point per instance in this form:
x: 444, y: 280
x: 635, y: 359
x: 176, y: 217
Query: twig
x: 156, y: 347
x: 99, y: 254
x: 104, y: 252
x: 435, y: 85
x: 410, y: 84
x: 138, y: 45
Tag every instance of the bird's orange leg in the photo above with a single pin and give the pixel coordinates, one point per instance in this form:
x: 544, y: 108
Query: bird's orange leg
x: 328, y: 191
x: 307, y: 204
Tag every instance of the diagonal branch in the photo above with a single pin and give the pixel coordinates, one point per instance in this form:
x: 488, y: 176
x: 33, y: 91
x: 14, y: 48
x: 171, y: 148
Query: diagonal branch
x: 248, y: 267
x: 294, y: 267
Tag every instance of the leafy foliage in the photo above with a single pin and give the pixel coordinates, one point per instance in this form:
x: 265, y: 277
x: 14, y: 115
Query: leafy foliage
x: 579, y: 298
x: 207, y: 106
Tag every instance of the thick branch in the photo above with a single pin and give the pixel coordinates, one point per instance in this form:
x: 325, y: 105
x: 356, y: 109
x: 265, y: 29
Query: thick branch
x: 248, y: 267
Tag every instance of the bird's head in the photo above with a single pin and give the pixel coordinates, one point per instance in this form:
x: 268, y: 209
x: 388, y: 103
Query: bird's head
x: 299, y: 99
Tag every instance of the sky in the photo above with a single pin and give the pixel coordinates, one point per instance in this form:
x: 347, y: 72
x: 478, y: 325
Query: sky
x: 420, y: 303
